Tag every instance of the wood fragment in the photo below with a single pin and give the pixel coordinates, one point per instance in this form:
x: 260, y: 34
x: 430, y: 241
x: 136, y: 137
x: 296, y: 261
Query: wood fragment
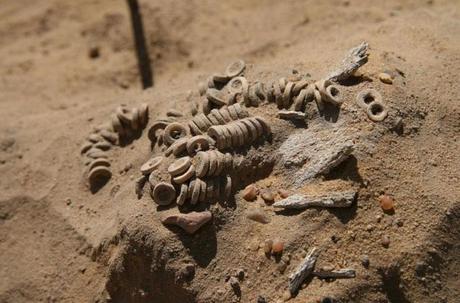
x: 333, y: 199
x: 304, y: 270
x: 336, y: 274
x: 291, y: 115
x: 355, y: 58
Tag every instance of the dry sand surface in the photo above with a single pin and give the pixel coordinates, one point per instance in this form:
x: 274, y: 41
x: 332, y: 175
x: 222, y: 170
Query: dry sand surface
x: 59, y: 242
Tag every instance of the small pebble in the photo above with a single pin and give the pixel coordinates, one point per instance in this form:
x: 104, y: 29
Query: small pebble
x: 398, y: 222
x: 328, y: 300
x: 286, y: 295
x: 420, y: 268
x: 283, y: 193
x: 386, y: 202
x: 282, y: 267
x: 257, y: 215
x: 94, y: 52
x: 261, y: 299
x: 240, y: 274
x: 268, y: 244
x: 234, y: 283
x: 250, y: 192
x: 278, y: 246
x: 327, y: 268
x: 385, y: 241
x: 268, y: 196
x: 365, y: 261
x: 385, y: 78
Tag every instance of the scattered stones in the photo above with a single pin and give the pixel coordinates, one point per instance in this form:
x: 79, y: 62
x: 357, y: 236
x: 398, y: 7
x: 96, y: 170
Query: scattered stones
x: 257, y: 215
x: 268, y: 196
x: 385, y: 241
x: 386, y: 202
x: 277, y: 247
x: 386, y: 78
x: 250, y: 192
x: 190, y: 222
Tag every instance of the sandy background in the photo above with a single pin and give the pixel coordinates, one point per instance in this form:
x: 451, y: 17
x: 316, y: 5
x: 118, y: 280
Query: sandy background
x: 60, y: 243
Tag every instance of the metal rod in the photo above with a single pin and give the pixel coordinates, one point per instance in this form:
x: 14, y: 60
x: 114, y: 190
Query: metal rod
x: 143, y: 59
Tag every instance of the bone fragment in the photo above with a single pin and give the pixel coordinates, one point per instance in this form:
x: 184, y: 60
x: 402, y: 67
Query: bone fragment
x: 291, y: 115
x: 333, y: 199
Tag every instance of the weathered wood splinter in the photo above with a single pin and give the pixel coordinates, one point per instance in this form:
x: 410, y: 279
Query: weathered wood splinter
x: 323, y: 165
x: 336, y: 274
x: 355, y: 58
x: 303, y: 271
x: 333, y: 199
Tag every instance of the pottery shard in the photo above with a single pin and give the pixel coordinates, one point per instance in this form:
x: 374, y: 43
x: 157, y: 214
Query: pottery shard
x: 190, y: 222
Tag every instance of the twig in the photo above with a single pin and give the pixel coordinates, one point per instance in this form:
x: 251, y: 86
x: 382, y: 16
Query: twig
x: 333, y: 199
x: 336, y: 274
x: 355, y: 58
x: 143, y: 59
x: 303, y: 271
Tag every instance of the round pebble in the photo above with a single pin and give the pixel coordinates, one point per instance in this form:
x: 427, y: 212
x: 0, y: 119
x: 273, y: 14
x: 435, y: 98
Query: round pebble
x: 385, y: 78
x: 385, y: 241
x: 365, y: 261
x: 268, y: 244
x: 283, y: 193
x: 268, y: 196
x: 386, y: 202
x: 278, y: 246
x: 250, y: 193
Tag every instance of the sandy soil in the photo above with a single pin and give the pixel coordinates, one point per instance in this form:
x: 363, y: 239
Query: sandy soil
x: 61, y: 243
